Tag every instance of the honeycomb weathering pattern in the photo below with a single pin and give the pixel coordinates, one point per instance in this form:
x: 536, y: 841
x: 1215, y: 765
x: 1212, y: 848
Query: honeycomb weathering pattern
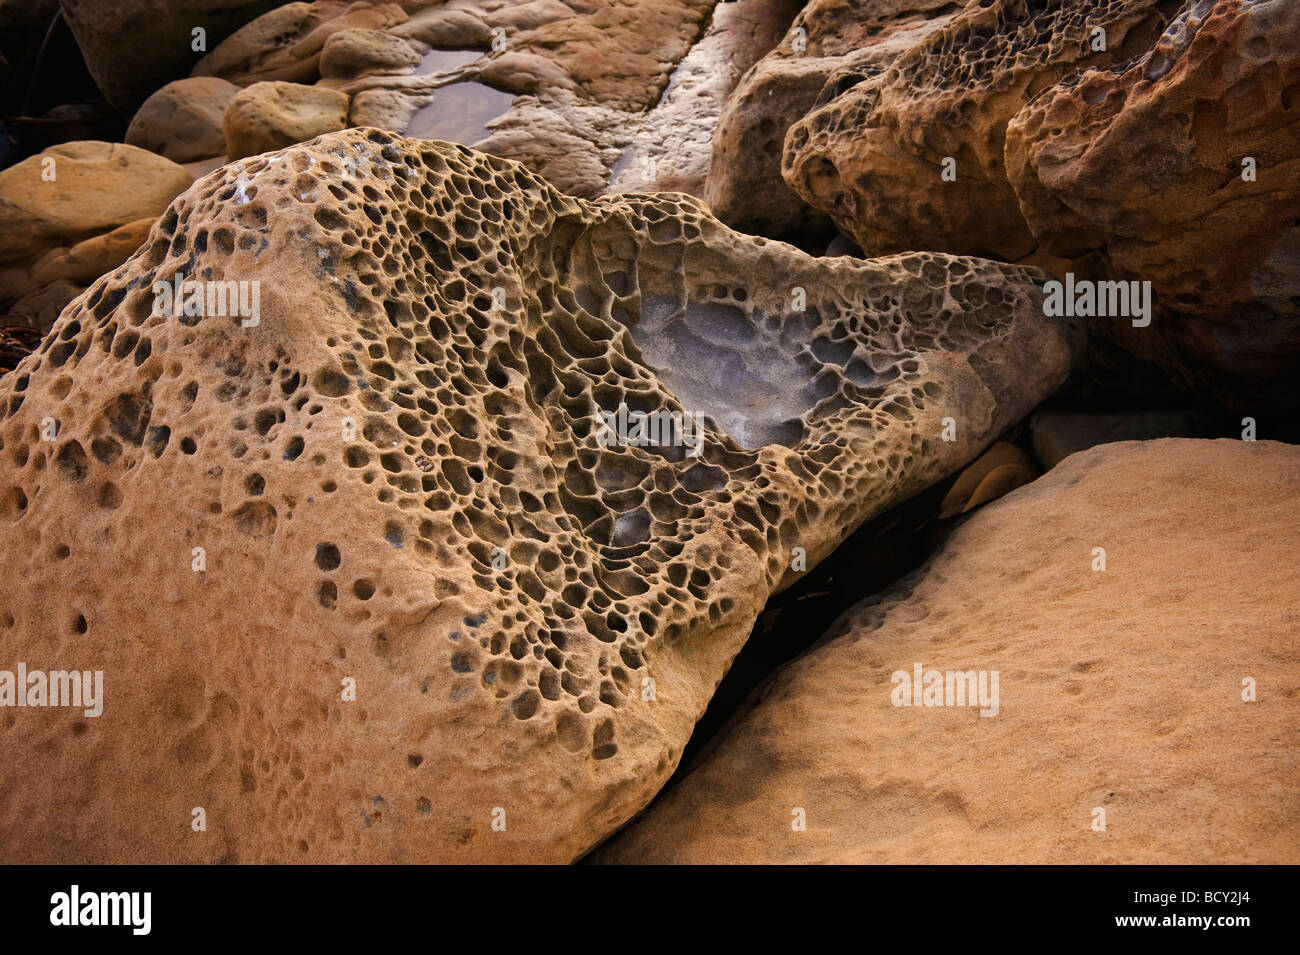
x: 370, y: 557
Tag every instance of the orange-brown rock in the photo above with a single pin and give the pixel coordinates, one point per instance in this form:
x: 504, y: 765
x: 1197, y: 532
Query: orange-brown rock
x: 79, y: 189
x: 872, y: 153
x: 1122, y: 731
x: 379, y: 570
x: 1181, y: 169
x: 998, y: 471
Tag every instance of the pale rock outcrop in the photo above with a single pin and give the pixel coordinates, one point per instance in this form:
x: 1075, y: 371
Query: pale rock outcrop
x: 393, y: 578
x: 1121, y: 733
x: 671, y: 149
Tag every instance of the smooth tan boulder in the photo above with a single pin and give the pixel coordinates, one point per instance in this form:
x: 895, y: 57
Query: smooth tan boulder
x: 79, y: 189
x: 1121, y: 733
x: 269, y: 116
x: 405, y: 577
x: 182, y: 121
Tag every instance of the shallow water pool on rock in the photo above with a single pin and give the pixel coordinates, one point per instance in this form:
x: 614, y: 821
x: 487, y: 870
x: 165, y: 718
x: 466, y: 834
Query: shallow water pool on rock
x: 459, y: 113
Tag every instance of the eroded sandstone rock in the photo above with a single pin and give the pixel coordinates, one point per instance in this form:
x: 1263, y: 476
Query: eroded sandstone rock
x: 871, y: 153
x: 745, y: 186
x: 1181, y: 169
x: 1118, y: 691
x: 396, y: 483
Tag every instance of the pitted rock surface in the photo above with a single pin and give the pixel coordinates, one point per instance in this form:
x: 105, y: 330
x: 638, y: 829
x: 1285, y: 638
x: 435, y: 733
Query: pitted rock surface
x: 1120, y: 690
x: 396, y: 477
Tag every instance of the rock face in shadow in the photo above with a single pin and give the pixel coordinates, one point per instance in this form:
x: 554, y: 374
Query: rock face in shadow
x: 1181, y: 169
x: 133, y: 47
x: 368, y: 573
x: 828, y: 40
x: 871, y: 153
x: 1119, y: 694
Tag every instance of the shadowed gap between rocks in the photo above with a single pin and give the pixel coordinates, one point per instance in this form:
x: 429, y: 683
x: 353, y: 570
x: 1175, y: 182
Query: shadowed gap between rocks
x: 1115, y: 391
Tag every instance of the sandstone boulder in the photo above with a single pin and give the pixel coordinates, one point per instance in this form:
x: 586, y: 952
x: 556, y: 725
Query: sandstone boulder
x: 408, y: 580
x: 351, y: 53
x: 1119, y: 697
x: 585, y: 77
x: 671, y: 149
x: 182, y: 121
x: 42, y: 303
x: 271, y: 115
x: 75, y: 190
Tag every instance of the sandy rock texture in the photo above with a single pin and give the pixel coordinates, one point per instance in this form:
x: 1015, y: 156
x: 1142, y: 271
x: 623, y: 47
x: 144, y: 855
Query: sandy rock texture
x: 400, y: 475
x: 1118, y: 690
x: 133, y: 47
x: 1180, y: 169
x: 182, y: 121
